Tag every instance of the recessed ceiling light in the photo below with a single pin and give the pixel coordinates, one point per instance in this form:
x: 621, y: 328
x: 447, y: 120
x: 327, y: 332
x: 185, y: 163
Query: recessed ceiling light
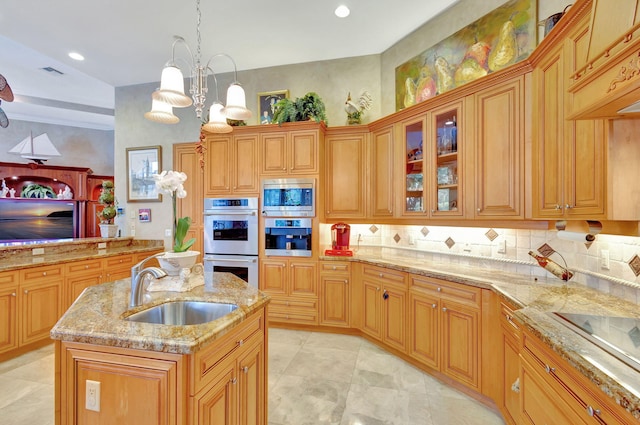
x: 342, y: 11
x: 76, y: 56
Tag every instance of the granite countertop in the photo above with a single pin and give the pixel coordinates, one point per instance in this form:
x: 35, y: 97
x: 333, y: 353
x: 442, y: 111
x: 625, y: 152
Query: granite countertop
x: 96, y: 317
x: 20, y: 257
x: 536, y: 299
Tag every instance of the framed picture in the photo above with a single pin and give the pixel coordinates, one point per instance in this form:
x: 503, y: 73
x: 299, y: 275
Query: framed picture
x: 144, y: 215
x: 267, y: 102
x: 142, y: 164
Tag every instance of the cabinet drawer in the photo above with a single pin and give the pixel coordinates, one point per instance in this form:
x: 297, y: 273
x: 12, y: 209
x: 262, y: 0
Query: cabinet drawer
x: 8, y: 278
x: 289, y: 315
x: 381, y: 273
x: 506, y: 318
x: 40, y: 273
x: 457, y: 292
x: 207, y: 363
x: 281, y: 303
x: 335, y: 267
x: 80, y: 267
x: 580, y: 394
x: 119, y: 261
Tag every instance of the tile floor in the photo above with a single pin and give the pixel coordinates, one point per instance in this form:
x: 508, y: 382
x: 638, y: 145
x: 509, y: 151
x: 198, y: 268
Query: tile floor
x: 314, y: 378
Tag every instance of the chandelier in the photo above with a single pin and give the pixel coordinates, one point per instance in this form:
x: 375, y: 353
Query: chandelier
x: 171, y: 92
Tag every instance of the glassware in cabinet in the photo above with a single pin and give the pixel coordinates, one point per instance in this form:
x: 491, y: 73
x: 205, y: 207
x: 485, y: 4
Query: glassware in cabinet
x: 414, y: 137
x: 447, y: 194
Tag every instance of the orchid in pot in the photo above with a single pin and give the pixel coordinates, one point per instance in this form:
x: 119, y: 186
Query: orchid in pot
x: 172, y: 184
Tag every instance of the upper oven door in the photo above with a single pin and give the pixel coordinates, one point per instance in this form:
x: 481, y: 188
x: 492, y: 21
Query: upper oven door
x: 231, y: 233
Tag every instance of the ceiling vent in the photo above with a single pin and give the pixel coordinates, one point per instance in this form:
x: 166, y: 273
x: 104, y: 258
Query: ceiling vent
x: 52, y: 70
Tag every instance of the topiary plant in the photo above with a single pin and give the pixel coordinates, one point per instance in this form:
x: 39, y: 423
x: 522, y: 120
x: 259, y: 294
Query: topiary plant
x: 107, y: 198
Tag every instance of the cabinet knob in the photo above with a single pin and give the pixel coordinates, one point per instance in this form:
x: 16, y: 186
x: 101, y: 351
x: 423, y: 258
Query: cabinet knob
x: 241, y: 343
x: 592, y: 412
x: 433, y: 211
x: 385, y: 295
x: 434, y: 305
x: 234, y: 380
x: 86, y: 267
x: 567, y: 206
x: 284, y: 168
x: 26, y: 291
x: 245, y: 369
x: 380, y: 275
x: 44, y: 273
x: 479, y: 209
x: 439, y: 289
x: 444, y: 308
x: 558, y: 207
x: 13, y: 294
x: 334, y: 268
x: 346, y: 281
x: 549, y: 369
x: 378, y: 288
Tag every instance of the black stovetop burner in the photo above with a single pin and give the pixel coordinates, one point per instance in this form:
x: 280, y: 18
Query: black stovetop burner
x: 619, y: 336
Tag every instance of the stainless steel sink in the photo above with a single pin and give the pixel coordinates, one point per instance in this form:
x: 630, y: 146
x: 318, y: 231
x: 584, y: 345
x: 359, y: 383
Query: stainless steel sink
x: 182, y: 313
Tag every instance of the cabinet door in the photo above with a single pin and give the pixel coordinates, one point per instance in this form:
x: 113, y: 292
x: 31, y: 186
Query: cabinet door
x: 413, y: 164
x: 41, y: 307
x: 371, y: 308
x: 251, y: 387
x: 186, y: 159
x: 382, y: 194
x: 303, y: 152
x: 217, y: 171
x: 460, y: 352
x: 540, y: 405
x: 303, y: 280
x: 510, y: 374
x: 218, y: 405
x: 8, y: 311
x: 424, y: 329
x: 345, y: 176
x: 499, y: 151
x: 78, y: 283
x: 273, y: 148
x: 334, y: 300
x: 245, y: 164
x: 394, y: 306
x: 274, y: 276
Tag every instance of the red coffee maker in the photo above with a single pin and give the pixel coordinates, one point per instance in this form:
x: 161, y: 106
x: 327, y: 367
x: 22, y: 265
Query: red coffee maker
x: 340, y: 233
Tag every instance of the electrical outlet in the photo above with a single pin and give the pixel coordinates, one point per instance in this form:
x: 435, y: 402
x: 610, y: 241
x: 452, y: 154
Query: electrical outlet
x: 93, y: 396
x: 502, y: 247
x: 167, y: 233
x: 37, y: 251
x: 102, y: 245
x: 467, y: 247
x: 132, y: 214
x: 412, y: 240
x: 604, y: 259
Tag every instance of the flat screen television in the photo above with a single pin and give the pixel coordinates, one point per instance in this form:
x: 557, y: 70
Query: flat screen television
x: 37, y: 219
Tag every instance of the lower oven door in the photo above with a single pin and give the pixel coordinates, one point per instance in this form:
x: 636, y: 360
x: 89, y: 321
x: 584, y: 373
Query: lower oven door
x: 243, y: 266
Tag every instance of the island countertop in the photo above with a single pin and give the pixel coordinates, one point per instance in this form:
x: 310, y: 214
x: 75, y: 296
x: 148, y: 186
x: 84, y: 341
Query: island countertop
x: 96, y: 317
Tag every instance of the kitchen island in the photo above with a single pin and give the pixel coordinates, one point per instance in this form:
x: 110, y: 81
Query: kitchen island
x: 110, y: 370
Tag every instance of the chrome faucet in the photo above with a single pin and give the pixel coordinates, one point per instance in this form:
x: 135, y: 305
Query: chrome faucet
x: 137, y: 279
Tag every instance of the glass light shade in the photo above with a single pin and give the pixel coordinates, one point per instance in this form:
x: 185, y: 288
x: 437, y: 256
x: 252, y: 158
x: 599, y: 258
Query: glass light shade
x: 236, y: 108
x: 161, y: 112
x: 171, y: 89
x: 217, y: 120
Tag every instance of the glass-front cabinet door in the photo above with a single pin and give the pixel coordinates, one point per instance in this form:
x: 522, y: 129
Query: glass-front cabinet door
x: 415, y: 195
x: 445, y: 162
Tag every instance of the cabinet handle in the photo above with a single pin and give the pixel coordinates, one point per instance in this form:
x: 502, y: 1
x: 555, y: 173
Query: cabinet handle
x: 241, y: 343
x: 558, y: 207
x: 434, y: 305
x: 567, y: 206
x: 444, y: 308
x: 234, y: 380
x: 245, y: 369
x: 549, y: 369
x: 385, y: 294
x: 592, y: 412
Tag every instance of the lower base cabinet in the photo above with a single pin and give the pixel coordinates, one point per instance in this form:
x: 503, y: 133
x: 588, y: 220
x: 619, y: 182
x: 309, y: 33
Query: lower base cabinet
x: 224, y: 383
x: 335, y: 292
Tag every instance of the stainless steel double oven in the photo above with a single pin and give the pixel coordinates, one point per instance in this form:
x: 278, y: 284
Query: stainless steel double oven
x: 231, y: 237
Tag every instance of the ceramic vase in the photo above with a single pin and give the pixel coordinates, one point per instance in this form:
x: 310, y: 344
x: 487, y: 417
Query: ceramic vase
x: 108, y: 230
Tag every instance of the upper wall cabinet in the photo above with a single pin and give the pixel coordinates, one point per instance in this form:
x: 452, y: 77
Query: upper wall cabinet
x: 232, y: 164
x: 294, y: 149
x: 499, y: 114
x: 381, y: 177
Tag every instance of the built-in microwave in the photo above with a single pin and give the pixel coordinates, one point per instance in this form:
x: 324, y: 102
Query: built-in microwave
x: 289, y: 197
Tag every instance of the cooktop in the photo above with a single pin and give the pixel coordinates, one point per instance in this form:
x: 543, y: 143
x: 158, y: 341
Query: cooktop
x: 619, y: 336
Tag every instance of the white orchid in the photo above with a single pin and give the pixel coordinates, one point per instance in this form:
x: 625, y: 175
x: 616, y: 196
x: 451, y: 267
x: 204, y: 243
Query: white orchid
x: 172, y: 183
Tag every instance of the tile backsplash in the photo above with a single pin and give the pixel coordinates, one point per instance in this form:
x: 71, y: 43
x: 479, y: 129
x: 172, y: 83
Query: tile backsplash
x: 507, y: 249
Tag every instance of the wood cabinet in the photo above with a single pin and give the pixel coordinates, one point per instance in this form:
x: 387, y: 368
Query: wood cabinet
x: 293, y: 286
x: 289, y: 153
x: 569, y: 157
x: 40, y: 302
x: 8, y: 311
x: 94, y: 189
x: 444, y: 327
x: 224, y: 382
x: 186, y: 159
x: 382, y: 194
x: 232, y: 164
x: 552, y: 389
x: 384, y: 295
x: 345, y: 173
x: 509, y: 365
x: 335, y: 289
x: 498, y: 168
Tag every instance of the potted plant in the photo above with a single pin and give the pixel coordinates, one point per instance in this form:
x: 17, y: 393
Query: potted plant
x: 108, y: 212
x: 171, y: 183
x: 308, y: 107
